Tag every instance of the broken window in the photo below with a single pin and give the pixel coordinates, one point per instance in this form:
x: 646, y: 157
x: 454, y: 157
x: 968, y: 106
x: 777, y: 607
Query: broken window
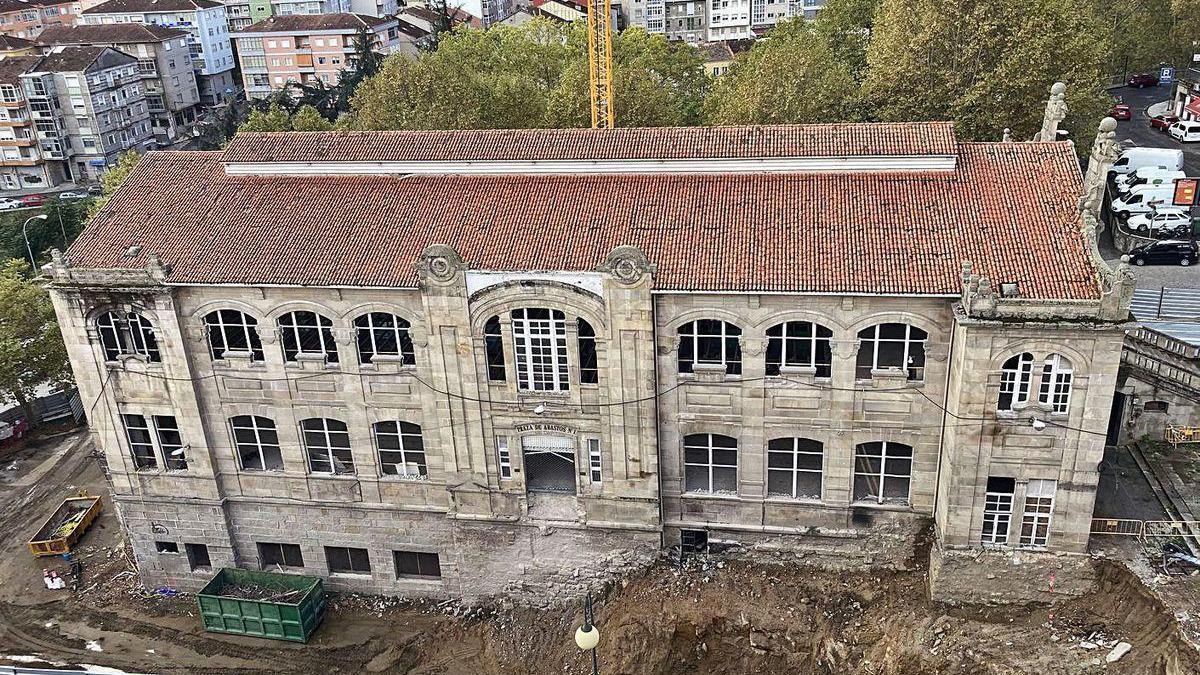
x: 327, y: 443
x: 307, y: 333
x: 1055, y: 390
x: 348, y: 560
x: 1039, y: 507
x: 997, y: 510
x: 799, y: 344
x: 1015, y: 377
x: 1156, y: 406
x: 710, y: 463
x: 540, y: 348
x: 417, y: 564
x: 549, y: 463
x: 710, y: 341
x: 493, y: 343
x: 383, y: 334
x: 280, y: 555
x: 891, y: 345
x: 127, y: 334
x: 166, y: 547
x: 232, y: 331
x: 170, y: 442
x: 197, y: 555
x: 141, y: 443
x: 794, y: 468
x: 401, y: 449
x: 589, y: 372
x: 882, y: 472
x: 257, y: 443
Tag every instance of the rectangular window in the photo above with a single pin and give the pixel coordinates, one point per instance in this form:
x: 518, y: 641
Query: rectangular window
x: 997, y: 511
x: 280, y: 555
x: 493, y: 344
x: 502, y: 457
x: 882, y: 472
x: 417, y: 564
x: 198, y: 559
x: 347, y: 560
x: 141, y: 445
x: 171, y: 442
x: 166, y: 547
x: 794, y: 468
x: 594, y: 459
x: 1039, y: 506
x: 540, y: 345
x: 589, y: 372
x: 401, y: 449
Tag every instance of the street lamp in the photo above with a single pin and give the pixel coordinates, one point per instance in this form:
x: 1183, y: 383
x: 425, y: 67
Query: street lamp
x: 25, y: 234
x: 587, y: 636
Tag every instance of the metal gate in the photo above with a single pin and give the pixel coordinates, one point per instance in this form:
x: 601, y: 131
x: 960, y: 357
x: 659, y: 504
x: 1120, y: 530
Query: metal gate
x: 549, y: 463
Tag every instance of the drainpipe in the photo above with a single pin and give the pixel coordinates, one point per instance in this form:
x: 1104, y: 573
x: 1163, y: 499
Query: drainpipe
x: 937, y: 482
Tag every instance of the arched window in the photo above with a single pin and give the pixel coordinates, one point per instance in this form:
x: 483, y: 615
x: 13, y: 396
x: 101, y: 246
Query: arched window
x: 589, y: 372
x: 257, y: 443
x: 127, y: 334
x: 1015, y: 377
x: 232, y: 331
x: 401, y: 449
x: 540, y: 346
x: 383, y: 334
x: 710, y: 341
x: 327, y: 443
x: 710, y: 463
x: 493, y: 346
x: 307, y: 333
x: 1056, y: 383
x: 891, y: 345
x: 794, y: 468
x: 882, y: 472
x: 799, y: 344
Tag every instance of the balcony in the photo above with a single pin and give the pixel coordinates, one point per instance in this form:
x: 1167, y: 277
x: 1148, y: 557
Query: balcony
x: 16, y: 142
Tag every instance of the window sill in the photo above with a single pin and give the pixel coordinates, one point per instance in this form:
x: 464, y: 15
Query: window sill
x: 237, y: 363
x: 801, y: 501
x: 876, y: 506
x: 393, y: 478
x: 274, y: 472
x: 336, y: 476
x: 420, y: 578
x: 716, y: 496
x: 350, y: 575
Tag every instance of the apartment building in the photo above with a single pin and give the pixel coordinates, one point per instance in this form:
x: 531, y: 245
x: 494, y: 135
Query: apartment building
x: 89, y: 107
x: 207, y: 26
x: 164, y: 64
x: 305, y: 48
x: 27, y: 18
x: 468, y: 363
x: 697, y: 21
x: 22, y: 166
x: 242, y: 13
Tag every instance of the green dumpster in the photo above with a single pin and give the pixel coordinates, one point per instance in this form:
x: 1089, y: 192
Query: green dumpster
x: 262, y: 604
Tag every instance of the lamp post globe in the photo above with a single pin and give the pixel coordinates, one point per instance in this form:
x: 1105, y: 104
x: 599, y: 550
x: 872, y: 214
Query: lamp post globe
x: 587, y: 639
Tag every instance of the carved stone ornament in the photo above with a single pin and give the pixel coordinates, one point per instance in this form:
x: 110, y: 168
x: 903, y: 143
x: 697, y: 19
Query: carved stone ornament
x: 268, y: 334
x: 440, y: 262
x: 628, y: 264
x: 344, y: 336
x: 752, y: 346
x: 844, y: 349
x: 668, y: 344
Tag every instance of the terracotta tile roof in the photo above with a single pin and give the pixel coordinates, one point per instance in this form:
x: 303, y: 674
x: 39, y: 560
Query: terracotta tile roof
x: 1009, y: 208
x: 10, y: 43
x: 292, y: 23
x: 107, y: 33
x: 12, y: 67
x: 123, y: 6
x: 808, y: 140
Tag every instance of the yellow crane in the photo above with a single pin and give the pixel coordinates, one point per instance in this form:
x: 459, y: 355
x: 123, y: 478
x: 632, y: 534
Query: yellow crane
x: 599, y: 20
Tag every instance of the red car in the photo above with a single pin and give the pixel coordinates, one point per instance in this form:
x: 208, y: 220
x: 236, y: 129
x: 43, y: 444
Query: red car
x: 1163, y: 122
x: 32, y: 200
x: 1143, y: 80
x: 1121, y: 111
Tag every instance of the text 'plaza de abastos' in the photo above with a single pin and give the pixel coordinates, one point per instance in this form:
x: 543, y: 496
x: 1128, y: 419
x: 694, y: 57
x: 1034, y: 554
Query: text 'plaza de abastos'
x: 473, y: 363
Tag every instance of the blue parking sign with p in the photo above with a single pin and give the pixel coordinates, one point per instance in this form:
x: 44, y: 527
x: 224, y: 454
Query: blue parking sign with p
x: 1166, y: 75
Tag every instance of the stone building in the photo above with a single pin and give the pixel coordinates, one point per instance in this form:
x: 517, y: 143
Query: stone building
x: 1159, y: 380
x: 470, y: 363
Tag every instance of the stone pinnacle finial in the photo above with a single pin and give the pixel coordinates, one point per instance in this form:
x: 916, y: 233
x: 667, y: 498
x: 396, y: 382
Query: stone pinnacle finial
x: 1104, y: 152
x: 1007, y: 138
x: 1056, y: 110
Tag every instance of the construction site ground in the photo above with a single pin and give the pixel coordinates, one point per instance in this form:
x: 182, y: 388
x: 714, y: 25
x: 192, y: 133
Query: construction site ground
x: 709, y: 616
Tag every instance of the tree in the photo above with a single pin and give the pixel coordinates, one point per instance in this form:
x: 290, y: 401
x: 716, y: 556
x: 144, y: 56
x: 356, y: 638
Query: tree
x: 274, y: 118
x: 792, y: 77
x: 987, y: 64
x: 308, y: 119
x: 846, y: 26
x: 32, y: 353
x: 112, y: 179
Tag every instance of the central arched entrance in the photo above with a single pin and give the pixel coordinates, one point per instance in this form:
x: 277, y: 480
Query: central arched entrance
x: 549, y: 464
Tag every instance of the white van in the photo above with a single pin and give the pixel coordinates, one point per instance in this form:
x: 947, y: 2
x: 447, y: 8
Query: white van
x: 1136, y: 158
x: 1147, y: 175
x: 1185, y: 132
x: 1141, y: 199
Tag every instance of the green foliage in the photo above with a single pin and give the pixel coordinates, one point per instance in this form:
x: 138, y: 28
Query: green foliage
x: 274, y: 118
x: 793, y: 77
x: 308, y: 119
x: 32, y: 352
x: 533, y: 75
x: 986, y: 65
x: 846, y: 27
x: 111, y: 180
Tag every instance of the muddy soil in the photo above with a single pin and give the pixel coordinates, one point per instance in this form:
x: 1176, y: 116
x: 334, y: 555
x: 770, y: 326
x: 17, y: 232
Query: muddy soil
x: 709, y: 617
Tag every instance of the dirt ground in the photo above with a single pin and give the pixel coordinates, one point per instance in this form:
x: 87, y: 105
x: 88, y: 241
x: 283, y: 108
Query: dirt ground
x: 708, y: 617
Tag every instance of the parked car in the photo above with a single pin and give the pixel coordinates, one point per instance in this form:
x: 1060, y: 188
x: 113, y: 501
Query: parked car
x: 1167, y: 252
x: 1185, y: 132
x: 1165, y: 220
x: 95, y: 189
x: 1121, y: 111
x: 1135, y: 158
x: 72, y: 195
x: 1142, y: 80
x: 7, y: 204
x: 1163, y: 122
x: 1147, y: 175
x: 1142, y: 199
x: 32, y: 200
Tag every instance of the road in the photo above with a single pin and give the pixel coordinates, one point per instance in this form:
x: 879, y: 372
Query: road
x: 1137, y: 133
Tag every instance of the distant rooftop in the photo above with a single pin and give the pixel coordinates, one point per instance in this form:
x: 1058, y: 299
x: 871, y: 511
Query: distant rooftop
x: 108, y: 33
x: 123, y: 6
x: 1153, y: 304
x: 299, y: 23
